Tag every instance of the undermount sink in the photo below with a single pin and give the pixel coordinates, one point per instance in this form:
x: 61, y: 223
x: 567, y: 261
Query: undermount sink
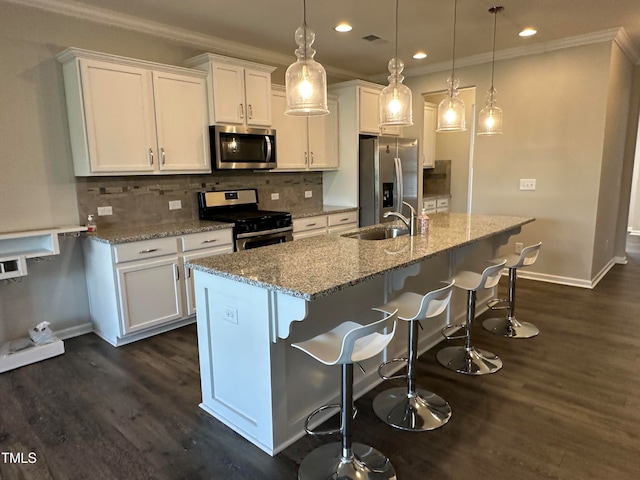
x: 379, y: 233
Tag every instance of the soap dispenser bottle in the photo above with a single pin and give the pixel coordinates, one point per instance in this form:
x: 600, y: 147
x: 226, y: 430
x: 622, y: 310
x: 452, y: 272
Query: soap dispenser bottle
x: 423, y: 222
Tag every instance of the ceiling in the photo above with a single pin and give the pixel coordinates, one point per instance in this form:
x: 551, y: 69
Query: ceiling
x: 268, y: 25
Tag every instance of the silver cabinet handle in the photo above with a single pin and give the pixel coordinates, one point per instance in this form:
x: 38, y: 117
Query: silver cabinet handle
x: 306, y: 158
x: 210, y: 241
x: 177, y: 269
x: 344, y: 219
x: 250, y: 111
x: 188, y: 274
x: 150, y: 156
x: 149, y: 250
x: 311, y: 224
x: 162, y: 155
x: 312, y: 158
x: 241, y: 111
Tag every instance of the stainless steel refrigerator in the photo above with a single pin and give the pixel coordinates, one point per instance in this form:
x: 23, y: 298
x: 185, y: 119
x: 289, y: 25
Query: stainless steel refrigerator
x: 388, y: 168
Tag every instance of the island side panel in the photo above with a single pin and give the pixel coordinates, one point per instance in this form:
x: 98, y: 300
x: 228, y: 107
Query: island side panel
x: 237, y: 358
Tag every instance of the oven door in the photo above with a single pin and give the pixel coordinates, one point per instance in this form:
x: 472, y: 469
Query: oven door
x: 247, y: 241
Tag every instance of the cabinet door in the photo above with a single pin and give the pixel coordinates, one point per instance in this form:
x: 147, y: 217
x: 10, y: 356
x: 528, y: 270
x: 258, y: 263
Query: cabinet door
x: 188, y: 274
x: 291, y: 136
x: 119, y: 117
x: 323, y: 139
x: 369, y: 111
x: 257, y: 87
x: 150, y: 294
x: 182, y: 123
x: 429, y: 135
x: 228, y: 94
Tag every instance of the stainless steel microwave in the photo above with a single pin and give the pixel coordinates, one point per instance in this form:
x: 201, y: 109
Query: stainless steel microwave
x: 242, y: 148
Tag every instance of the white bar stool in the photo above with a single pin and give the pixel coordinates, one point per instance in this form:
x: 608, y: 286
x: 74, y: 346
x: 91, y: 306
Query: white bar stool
x: 509, y: 326
x: 468, y: 359
x: 411, y: 408
x: 346, y: 344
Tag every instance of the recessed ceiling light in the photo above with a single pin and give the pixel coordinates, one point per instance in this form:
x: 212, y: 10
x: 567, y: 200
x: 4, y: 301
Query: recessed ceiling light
x: 343, y: 27
x: 528, y: 32
x: 420, y: 55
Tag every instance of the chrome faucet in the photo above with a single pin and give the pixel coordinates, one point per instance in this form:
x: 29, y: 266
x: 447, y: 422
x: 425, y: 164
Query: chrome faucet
x: 409, y: 222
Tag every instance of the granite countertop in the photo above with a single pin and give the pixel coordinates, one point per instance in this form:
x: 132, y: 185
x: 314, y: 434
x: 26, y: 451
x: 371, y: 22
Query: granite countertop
x: 318, y: 266
x: 135, y: 234
x: 302, y: 212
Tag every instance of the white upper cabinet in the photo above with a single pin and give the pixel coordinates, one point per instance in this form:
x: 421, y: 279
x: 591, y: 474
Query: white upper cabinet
x: 305, y: 143
x: 239, y: 91
x: 131, y: 117
x: 428, y: 144
x: 369, y: 112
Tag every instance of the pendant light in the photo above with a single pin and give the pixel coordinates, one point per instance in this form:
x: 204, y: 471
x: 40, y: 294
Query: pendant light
x: 395, y: 99
x: 306, y: 79
x: 451, y: 117
x: 490, y: 117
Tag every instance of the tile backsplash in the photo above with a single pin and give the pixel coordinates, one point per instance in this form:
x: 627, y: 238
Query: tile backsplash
x: 144, y: 200
x: 437, y: 180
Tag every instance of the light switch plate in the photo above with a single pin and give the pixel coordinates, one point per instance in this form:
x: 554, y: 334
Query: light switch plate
x: 527, y: 184
x: 230, y: 314
x: 275, y: 196
x: 308, y: 194
x: 175, y: 204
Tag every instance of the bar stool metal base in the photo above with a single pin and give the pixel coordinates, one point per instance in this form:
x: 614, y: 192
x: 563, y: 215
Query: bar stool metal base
x: 510, y: 327
x: 326, y: 463
x: 469, y: 362
x: 416, y: 412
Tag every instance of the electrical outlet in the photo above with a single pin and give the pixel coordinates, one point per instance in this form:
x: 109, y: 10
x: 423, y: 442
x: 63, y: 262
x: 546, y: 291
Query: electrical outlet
x: 102, y: 211
x: 175, y: 204
x: 308, y: 194
x: 230, y: 314
x: 519, y: 247
x: 275, y: 196
x: 527, y: 184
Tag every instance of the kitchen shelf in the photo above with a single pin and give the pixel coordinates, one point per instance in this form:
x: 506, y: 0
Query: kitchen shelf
x: 17, y: 247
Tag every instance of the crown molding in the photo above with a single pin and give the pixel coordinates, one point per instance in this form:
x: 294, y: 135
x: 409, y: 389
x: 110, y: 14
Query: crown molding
x: 178, y: 35
x: 613, y: 34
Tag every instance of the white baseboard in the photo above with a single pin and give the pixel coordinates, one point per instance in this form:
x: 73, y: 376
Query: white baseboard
x: 570, y: 281
x: 74, y: 331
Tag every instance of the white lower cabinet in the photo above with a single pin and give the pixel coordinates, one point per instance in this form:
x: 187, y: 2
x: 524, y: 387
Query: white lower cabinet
x: 324, y: 224
x: 139, y: 289
x: 150, y: 293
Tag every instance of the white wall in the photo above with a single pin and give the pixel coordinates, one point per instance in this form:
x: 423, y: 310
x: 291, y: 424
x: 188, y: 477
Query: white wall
x: 555, y: 106
x: 632, y: 173
x: 37, y: 185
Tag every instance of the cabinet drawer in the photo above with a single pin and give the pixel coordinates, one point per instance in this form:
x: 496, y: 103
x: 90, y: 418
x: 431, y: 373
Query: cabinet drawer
x: 442, y: 202
x: 342, y: 218
x: 309, y: 223
x: 146, y: 249
x: 214, y: 238
x: 429, y: 204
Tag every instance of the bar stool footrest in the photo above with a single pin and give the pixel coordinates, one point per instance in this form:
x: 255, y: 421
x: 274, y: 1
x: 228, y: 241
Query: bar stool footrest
x: 498, y: 304
x: 395, y: 360
x: 453, y: 337
x: 317, y: 433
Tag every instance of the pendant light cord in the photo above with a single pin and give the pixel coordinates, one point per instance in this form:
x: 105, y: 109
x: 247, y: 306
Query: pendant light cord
x: 493, y: 56
x: 453, y: 63
x: 396, y: 56
x: 304, y: 26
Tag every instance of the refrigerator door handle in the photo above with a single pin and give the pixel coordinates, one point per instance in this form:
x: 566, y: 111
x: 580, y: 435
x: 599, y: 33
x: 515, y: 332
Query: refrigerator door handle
x: 399, y: 183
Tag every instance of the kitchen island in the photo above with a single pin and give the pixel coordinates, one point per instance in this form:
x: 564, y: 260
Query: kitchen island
x: 252, y: 305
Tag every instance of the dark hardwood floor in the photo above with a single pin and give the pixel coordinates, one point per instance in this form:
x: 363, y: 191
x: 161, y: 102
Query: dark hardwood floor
x: 566, y: 405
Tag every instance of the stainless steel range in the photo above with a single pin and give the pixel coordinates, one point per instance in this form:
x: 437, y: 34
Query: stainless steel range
x: 252, y: 227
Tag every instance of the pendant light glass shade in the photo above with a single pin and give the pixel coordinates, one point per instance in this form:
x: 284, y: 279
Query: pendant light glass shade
x: 490, y: 117
x: 395, y: 99
x: 306, y: 79
x: 451, y: 113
